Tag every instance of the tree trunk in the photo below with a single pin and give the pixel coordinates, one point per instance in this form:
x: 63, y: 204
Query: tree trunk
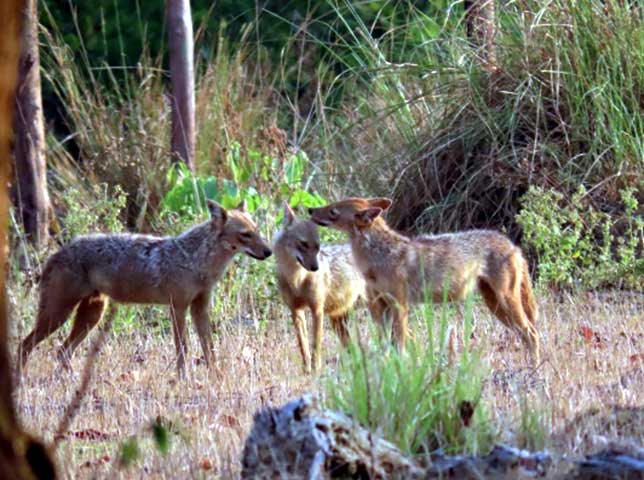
x: 180, y: 42
x: 480, y: 24
x: 31, y: 197
x: 21, y: 456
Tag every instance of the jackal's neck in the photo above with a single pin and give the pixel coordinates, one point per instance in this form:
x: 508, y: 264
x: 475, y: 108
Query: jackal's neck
x: 376, y: 239
x: 194, y: 238
x: 200, y: 247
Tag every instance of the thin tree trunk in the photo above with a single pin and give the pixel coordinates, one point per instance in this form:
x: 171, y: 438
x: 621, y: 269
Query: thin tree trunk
x: 480, y: 23
x: 21, y: 456
x: 31, y: 196
x: 180, y: 42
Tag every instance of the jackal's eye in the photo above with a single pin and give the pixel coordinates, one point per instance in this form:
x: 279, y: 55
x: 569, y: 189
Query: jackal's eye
x: 245, y: 236
x: 334, y: 213
x: 304, y: 244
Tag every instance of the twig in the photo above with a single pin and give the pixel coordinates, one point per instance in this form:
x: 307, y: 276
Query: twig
x: 72, y: 409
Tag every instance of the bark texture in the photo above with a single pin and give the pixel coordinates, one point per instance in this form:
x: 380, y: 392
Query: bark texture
x: 180, y: 41
x: 21, y: 456
x: 31, y: 196
x: 300, y: 440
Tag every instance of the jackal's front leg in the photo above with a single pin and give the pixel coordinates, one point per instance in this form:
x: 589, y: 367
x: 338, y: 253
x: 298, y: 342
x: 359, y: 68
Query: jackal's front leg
x: 377, y: 306
x: 318, y: 331
x: 302, y: 336
x: 400, y: 307
x: 178, y: 313
x: 199, y: 313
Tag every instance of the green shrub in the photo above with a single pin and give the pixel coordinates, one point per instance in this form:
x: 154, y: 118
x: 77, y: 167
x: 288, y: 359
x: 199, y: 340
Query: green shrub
x: 188, y: 193
x: 419, y: 399
x: 100, y: 212
x: 577, y: 245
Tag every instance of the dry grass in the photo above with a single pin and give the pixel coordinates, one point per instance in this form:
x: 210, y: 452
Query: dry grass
x: 572, y: 393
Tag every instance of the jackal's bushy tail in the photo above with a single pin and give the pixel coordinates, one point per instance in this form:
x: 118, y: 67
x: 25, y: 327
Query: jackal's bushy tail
x: 527, y: 297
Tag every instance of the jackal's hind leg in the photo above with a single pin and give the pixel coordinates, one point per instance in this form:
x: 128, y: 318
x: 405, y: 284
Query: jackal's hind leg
x: 52, y: 313
x: 521, y: 323
x: 507, y: 307
x: 339, y: 323
x: 88, y: 314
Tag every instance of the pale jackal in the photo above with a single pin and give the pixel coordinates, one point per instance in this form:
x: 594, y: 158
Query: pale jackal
x: 398, y: 270
x: 176, y: 271
x: 321, y: 278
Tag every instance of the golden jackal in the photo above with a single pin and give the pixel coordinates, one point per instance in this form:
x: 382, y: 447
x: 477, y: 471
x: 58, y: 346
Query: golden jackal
x: 176, y: 271
x: 398, y: 269
x: 321, y: 278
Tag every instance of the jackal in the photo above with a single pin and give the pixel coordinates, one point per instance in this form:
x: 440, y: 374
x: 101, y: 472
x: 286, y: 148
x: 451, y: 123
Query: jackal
x: 176, y: 271
x: 322, y: 278
x: 400, y: 270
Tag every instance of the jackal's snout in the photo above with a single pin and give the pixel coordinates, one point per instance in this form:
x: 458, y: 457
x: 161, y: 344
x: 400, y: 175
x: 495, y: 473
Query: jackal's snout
x: 324, y: 216
x: 261, y: 253
x: 309, y: 262
x: 349, y: 213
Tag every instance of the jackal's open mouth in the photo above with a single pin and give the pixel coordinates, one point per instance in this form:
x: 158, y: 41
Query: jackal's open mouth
x: 324, y: 223
x: 257, y: 257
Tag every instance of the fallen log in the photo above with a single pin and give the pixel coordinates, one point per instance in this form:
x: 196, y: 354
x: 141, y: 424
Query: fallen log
x: 611, y: 464
x: 301, y: 440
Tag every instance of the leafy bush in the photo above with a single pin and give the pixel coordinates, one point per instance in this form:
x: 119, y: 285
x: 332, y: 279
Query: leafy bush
x: 100, y: 212
x: 418, y: 399
x: 577, y: 245
x: 188, y: 193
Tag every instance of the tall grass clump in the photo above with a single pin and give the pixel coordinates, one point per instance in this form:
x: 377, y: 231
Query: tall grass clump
x: 457, y: 143
x: 421, y: 399
x: 117, y: 129
x: 117, y: 120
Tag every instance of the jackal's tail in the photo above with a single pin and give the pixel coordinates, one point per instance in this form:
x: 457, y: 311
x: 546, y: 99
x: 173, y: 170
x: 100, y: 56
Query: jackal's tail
x: 527, y: 297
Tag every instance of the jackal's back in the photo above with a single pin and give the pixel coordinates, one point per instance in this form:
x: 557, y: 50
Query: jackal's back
x: 458, y: 260
x: 137, y: 268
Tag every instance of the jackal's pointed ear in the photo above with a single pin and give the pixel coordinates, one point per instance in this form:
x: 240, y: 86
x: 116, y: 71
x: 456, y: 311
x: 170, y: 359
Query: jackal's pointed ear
x: 242, y: 206
x: 383, y: 203
x: 289, y: 215
x: 217, y: 213
x: 365, y: 217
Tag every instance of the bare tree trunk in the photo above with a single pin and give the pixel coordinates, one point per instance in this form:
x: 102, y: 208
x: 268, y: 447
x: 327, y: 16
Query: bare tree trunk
x: 21, y: 456
x: 31, y: 196
x: 182, y: 77
x: 480, y: 23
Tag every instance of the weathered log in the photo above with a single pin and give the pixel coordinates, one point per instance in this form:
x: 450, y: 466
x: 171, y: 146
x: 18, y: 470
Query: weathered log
x: 612, y: 464
x: 300, y: 440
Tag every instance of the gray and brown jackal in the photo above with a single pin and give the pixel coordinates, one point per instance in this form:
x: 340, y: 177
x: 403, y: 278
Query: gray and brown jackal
x: 177, y: 271
x: 400, y: 270
x: 323, y: 278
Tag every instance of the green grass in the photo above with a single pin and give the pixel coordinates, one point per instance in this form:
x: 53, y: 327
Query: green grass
x: 406, y: 111
x: 425, y: 397
x: 423, y: 120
